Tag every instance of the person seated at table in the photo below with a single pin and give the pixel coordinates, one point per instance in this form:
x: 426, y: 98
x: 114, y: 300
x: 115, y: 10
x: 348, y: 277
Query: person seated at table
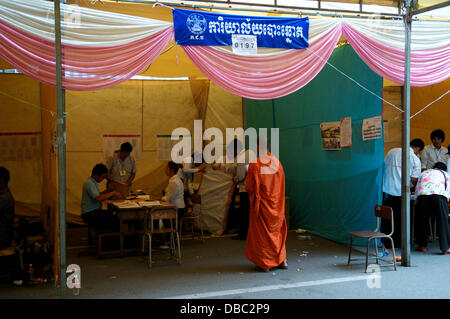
x: 174, y: 192
x: 434, y: 152
x: 91, y: 199
x: 6, y: 210
x: 433, y: 190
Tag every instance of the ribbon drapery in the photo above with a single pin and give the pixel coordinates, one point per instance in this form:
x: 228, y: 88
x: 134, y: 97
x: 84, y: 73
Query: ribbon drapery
x: 100, y: 49
x: 265, y: 77
x: 272, y: 74
x: 428, y: 66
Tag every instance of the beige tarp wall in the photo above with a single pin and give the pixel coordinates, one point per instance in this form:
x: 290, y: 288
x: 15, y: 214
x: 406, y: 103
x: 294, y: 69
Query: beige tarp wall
x: 17, y: 95
x: 147, y: 108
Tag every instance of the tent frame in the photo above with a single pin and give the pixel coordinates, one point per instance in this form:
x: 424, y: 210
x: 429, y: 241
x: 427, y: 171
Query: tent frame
x: 409, y: 11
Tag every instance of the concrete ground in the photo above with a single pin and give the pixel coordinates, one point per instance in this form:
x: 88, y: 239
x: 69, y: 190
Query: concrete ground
x: 218, y: 269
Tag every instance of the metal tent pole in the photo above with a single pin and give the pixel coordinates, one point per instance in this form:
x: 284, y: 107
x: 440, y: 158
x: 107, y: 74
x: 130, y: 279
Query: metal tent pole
x: 61, y: 127
x: 406, y: 196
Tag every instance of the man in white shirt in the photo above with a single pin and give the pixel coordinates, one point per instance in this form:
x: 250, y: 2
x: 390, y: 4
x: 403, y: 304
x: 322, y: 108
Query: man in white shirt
x: 435, y: 152
x: 188, y: 169
x: 433, y: 190
x: 236, y: 162
x: 244, y: 158
x: 392, y: 182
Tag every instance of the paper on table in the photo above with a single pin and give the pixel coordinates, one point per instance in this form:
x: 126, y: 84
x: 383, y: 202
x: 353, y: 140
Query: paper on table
x: 143, y: 197
x: 150, y: 204
x: 127, y: 204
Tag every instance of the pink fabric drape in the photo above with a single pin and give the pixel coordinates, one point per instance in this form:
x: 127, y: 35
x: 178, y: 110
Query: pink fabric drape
x: 255, y: 77
x: 265, y: 77
x: 273, y: 76
x: 86, y: 68
x: 427, y: 66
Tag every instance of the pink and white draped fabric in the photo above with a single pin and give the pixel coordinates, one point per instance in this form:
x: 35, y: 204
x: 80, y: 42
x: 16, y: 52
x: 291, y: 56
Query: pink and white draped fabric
x: 428, y: 66
x: 268, y: 76
x: 85, y: 68
x: 104, y: 50
x: 265, y: 77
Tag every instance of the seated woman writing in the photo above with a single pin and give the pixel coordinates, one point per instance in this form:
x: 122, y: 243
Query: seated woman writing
x: 174, y: 192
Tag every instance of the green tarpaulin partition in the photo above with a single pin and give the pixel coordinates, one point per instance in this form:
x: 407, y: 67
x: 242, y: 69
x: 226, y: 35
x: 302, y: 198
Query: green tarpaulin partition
x: 331, y: 192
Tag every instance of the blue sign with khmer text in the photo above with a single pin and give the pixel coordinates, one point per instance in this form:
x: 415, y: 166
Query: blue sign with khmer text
x: 216, y: 29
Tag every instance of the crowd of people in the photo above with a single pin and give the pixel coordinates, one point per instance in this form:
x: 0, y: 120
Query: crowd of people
x: 261, y: 196
x: 260, y: 181
x: 430, y: 183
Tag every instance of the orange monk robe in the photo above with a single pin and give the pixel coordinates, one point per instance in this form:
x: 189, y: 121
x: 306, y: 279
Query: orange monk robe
x: 266, y: 239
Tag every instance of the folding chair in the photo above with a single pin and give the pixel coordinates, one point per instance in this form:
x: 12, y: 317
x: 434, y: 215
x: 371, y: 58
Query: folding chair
x: 195, y: 199
x: 163, y: 214
x: 15, y: 248
x: 384, y: 212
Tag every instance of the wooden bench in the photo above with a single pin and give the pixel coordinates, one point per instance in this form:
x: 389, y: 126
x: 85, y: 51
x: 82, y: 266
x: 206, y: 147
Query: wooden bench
x: 75, y: 221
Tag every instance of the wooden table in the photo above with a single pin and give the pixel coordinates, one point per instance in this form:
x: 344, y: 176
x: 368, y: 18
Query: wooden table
x: 125, y: 214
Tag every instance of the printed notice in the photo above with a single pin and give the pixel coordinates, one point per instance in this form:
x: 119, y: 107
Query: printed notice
x: 331, y: 135
x: 346, y: 132
x: 371, y: 128
x: 20, y: 146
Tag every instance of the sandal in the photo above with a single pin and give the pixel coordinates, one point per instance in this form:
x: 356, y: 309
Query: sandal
x: 257, y: 268
x: 283, y: 265
x: 421, y: 249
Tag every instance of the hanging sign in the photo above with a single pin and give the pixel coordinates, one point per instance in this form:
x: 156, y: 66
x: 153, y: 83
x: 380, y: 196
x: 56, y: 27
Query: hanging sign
x: 244, y: 44
x: 216, y: 29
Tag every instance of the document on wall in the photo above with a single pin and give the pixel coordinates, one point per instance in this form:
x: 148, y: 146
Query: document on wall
x: 331, y: 135
x: 164, y: 144
x: 346, y: 132
x: 112, y: 142
x: 20, y: 146
x: 371, y: 128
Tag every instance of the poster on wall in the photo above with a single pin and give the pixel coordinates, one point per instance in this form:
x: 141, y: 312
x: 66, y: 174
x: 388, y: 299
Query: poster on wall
x: 112, y: 142
x: 371, y: 128
x: 331, y: 135
x: 346, y: 132
x: 20, y: 146
x: 165, y: 143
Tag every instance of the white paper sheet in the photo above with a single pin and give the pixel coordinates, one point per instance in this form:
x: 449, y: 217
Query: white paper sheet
x: 371, y: 128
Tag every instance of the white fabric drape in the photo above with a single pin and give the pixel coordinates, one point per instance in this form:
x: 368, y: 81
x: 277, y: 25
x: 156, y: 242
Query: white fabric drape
x: 81, y: 26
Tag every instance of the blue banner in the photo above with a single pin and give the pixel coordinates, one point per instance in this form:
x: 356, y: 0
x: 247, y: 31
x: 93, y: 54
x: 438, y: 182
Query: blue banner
x: 216, y: 29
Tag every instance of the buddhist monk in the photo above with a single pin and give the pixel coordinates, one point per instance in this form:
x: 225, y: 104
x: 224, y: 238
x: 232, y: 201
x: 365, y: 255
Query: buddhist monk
x: 266, y: 239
